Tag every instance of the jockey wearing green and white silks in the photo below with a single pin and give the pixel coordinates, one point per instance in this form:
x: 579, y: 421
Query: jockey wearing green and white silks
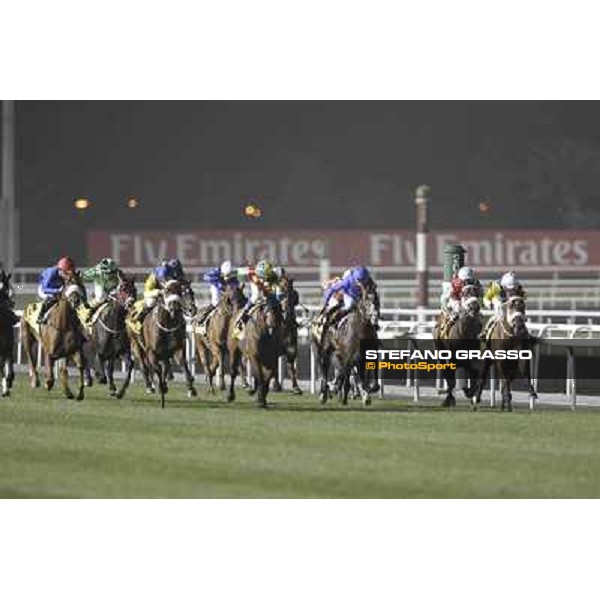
x: 105, y: 276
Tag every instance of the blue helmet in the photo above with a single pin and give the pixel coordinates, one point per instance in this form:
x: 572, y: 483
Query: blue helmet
x: 362, y: 274
x: 176, y: 267
x: 162, y: 272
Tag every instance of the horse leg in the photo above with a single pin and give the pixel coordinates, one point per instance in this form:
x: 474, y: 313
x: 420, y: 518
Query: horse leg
x: 49, y: 372
x: 234, y: 365
x: 450, y: 377
x: 3, y: 371
x: 188, y: 375
x: 129, y: 370
x: 293, y: 371
x: 101, y: 374
x: 27, y: 342
x: 81, y: 364
x: 144, y: 367
x: 262, y: 384
x: 110, y: 372
x: 64, y: 380
x: 325, y: 363
x: 222, y: 359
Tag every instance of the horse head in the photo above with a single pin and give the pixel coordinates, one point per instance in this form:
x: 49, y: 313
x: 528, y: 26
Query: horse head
x: 188, y: 299
x: 6, y: 291
x: 369, y: 306
x: 471, y: 306
x: 126, y: 294
x: 74, y: 294
x: 172, y: 298
x: 515, y: 316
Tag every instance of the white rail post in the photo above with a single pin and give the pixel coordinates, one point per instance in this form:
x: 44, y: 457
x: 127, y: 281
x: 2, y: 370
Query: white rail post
x: 280, y: 367
x: 571, y: 376
x: 312, y: 370
x: 492, y: 386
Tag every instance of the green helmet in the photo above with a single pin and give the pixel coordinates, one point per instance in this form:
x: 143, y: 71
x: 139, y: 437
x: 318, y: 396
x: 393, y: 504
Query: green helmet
x: 108, y: 265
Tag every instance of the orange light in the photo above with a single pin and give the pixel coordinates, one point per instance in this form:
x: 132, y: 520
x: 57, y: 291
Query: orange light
x: 82, y: 203
x: 133, y: 202
x: 252, y: 211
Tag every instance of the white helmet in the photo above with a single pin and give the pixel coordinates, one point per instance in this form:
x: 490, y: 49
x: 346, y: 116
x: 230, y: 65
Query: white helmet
x: 466, y: 274
x: 226, y: 268
x: 346, y: 273
x: 509, y: 280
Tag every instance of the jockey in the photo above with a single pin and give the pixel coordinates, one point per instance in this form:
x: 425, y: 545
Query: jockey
x: 167, y: 270
x: 462, y: 286
x: 219, y: 279
x: 106, y: 277
x: 280, y: 290
x: 263, y: 286
x: 345, y: 291
x: 52, y: 282
x: 498, y: 293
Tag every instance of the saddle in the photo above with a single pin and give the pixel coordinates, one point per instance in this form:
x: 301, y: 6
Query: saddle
x: 446, y: 325
x: 31, y: 313
x: 132, y: 319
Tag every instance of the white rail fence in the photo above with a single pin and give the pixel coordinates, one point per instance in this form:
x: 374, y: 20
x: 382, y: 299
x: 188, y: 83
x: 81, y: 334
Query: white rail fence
x: 401, y: 323
x: 397, y: 287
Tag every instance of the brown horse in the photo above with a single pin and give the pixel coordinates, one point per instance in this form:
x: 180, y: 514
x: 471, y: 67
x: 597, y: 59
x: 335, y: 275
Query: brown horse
x: 164, y: 334
x: 109, y: 339
x: 212, y: 346
x: 463, y: 334
x: 509, y: 333
x: 61, y: 336
x: 288, y: 303
x: 262, y: 346
x: 340, y: 346
x: 8, y: 319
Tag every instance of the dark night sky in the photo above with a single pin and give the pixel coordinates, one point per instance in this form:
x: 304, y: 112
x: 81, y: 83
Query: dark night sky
x: 334, y: 164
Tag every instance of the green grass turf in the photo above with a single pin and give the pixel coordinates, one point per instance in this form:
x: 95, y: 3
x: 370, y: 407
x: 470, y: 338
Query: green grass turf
x: 101, y: 447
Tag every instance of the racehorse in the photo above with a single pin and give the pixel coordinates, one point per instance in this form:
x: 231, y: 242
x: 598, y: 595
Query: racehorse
x: 463, y: 334
x: 212, y: 344
x: 341, y: 346
x: 109, y: 337
x: 164, y: 334
x: 261, y: 346
x: 61, y: 336
x: 289, y: 332
x: 8, y: 319
x: 509, y: 333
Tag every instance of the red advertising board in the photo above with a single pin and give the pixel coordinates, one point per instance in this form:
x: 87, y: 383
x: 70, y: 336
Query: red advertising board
x: 514, y: 248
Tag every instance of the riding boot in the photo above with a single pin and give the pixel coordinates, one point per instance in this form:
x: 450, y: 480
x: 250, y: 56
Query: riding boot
x: 46, y: 305
x: 142, y: 314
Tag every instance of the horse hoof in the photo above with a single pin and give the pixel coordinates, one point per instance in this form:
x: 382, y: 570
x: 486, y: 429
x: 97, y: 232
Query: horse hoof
x: 297, y: 391
x: 69, y: 396
x: 192, y: 393
x: 112, y: 392
x: 119, y: 395
x: 276, y: 388
x: 222, y: 388
x: 251, y: 392
x: 230, y: 397
x: 150, y: 390
x: 5, y: 394
x: 99, y: 381
x: 79, y: 397
x: 367, y: 402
